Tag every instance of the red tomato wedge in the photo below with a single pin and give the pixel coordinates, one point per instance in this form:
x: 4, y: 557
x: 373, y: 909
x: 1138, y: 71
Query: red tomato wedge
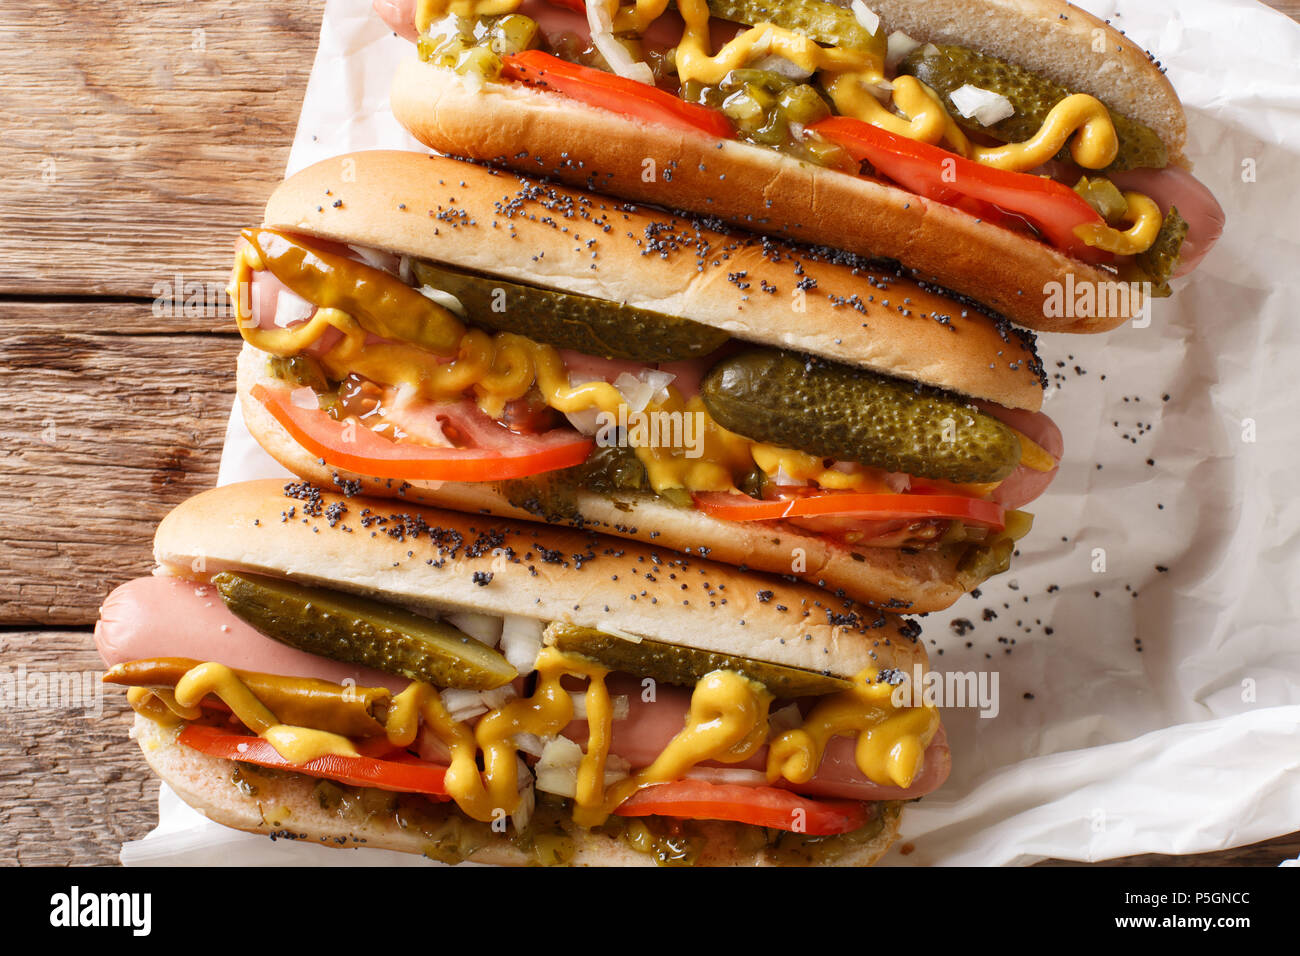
x: 945, y: 177
x: 759, y: 806
x: 616, y: 93
x: 405, y: 774
x: 358, y: 449
x: 733, y: 506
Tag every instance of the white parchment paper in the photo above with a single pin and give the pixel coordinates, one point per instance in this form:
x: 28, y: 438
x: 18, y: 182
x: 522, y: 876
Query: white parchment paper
x: 1145, y: 643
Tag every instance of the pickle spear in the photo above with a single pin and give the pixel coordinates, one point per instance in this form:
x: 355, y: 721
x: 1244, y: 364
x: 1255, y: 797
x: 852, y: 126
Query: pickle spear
x: 947, y: 68
x: 674, y: 664
x: 589, y: 325
x: 357, y: 630
x: 834, y: 411
x: 827, y: 23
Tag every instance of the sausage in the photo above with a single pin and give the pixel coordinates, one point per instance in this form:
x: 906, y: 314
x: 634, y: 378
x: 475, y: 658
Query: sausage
x: 649, y: 726
x: 170, y: 617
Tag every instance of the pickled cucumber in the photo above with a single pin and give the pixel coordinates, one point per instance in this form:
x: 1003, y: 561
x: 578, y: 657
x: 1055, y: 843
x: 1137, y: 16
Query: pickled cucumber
x: 834, y: 411
x: 589, y: 325
x: 1157, y: 264
x: 948, y: 68
x: 827, y: 23
x: 357, y: 630
x: 674, y: 664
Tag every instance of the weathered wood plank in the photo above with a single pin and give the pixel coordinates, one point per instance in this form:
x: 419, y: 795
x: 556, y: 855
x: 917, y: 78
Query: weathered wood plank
x: 139, y: 137
x: 103, y: 435
x: 73, y: 787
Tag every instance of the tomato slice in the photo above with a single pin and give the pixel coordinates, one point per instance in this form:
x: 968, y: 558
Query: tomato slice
x: 358, y: 449
x: 759, y: 806
x: 945, y: 177
x: 734, y: 506
x: 616, y: 93
x: 404, y: 774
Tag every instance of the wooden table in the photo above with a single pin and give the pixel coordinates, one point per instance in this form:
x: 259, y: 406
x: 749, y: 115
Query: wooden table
x: 139, y: 139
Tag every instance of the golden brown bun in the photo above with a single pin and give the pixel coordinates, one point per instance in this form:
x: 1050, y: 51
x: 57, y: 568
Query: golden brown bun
x: 494, y: 222
x: 887, y: 577
x: 286, y: 807
x: 440, y: 560
x: 545, y: 134
x: 1058, y: 41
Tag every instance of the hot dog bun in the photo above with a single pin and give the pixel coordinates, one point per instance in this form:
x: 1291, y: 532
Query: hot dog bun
x: 501, y: 224
x: 285, y: 806
x: 548, y: 134
x: 445, y: 562
x: 426, y: 558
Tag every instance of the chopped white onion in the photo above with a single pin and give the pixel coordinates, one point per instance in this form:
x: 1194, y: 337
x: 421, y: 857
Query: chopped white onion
x: 304, y: 397
x: 530, y: 744
x: 898, y: 47
x: 387, y: 261
x: 585, y: 421
x: 557, y: 769
x: 657, y: 380
x: 781, y: 478
x: 775, y: 63
x: 521, y: 641
x: 481, y: 627
x: 636, y: 393
x: 866, y: 16
x: 620, y: 706
x: 290, y: 308
x: 497, y: 696
x: 404, y: 270
x: 444, y: 299
x: 985, y: 106
x: 463, y: 704
x: 527, y: 798
x: 787, y: 718
x: 616, y: 55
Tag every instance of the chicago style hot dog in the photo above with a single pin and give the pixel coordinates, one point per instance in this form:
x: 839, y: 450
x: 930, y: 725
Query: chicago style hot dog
x: 327, y: 669
x: 1001, y: 148
x: 435, y: 330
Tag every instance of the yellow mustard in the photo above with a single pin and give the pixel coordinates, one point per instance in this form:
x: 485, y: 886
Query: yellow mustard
x: 727, y: 722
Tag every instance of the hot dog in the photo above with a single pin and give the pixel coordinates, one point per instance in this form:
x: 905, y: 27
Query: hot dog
x: 457, y: 336
x: 576, y: 699
x: 988, y: 147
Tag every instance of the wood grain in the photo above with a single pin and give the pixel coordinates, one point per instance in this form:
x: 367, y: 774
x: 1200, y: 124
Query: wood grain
x: 104, y: 433
x: 139, y: 138
x: 73, y: 788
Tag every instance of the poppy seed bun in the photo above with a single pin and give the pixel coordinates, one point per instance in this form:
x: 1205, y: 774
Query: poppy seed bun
x: 759, y: 290
x: 546, y: 134
x: 426, y: 558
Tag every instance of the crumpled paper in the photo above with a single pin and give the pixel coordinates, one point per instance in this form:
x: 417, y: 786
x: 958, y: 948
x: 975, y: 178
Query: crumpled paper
x: 1145, y: 641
